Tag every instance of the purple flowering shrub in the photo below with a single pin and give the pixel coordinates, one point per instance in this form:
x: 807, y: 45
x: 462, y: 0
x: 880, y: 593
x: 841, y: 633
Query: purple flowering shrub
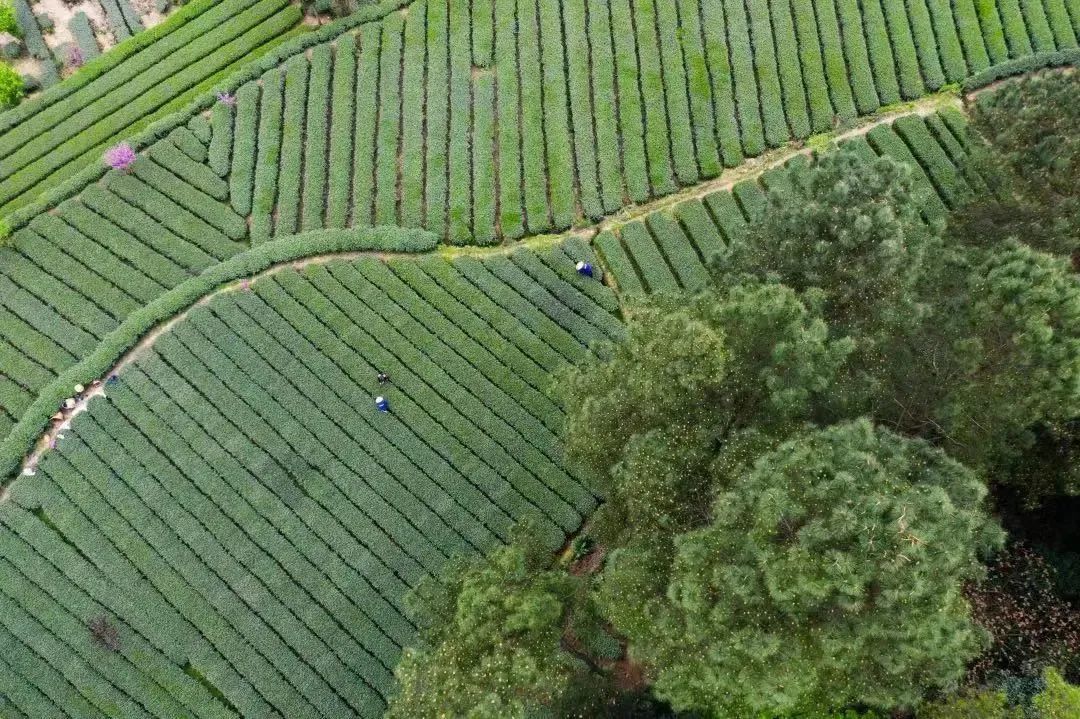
x: 120, y: 157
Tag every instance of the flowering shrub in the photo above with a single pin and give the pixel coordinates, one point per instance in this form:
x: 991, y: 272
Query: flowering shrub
x: 120, y: 157
x: 75, y: 57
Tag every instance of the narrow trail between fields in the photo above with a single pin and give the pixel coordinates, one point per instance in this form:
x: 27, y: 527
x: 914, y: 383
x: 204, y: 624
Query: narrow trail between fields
x: 749, y: 169
x: 754, y: 167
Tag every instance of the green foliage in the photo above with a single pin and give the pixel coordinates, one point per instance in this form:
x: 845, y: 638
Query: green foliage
x: 1026, y: 143
x: 8, y: 22
x: 728, y: 365
x: 1012, y: 352
x: 11, y: 85
x: 977, y: 350
x: 492, y: 632
x: 1059, y: 700
x: 828, y: 574
x: 971, y: 705
x: 852, y: 229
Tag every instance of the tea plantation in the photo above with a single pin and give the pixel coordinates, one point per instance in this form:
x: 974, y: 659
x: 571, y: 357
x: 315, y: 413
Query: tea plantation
x: 404, y: 191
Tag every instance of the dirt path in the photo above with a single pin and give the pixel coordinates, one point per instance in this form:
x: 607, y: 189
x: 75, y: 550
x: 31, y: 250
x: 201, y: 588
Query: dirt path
x: 754, y: 167
x: 725, y: 181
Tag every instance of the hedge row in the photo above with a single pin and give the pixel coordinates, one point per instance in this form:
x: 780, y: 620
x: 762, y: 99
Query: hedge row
x: 342, y: 107
x: 1020, y: 66
x: 459, y: 158
x: 412, y: 129
x: 117, y: 20
x: 581, y: 113
x: 84, y: 36
x: 267, y: 156
x: 716, y: 56
x: 533, y: 155
x: 631, y: 126
x: 366, y: 125
x: 290, y: 174
x: 138, y: 322
x: 386, y: 139
x: 31, y: 33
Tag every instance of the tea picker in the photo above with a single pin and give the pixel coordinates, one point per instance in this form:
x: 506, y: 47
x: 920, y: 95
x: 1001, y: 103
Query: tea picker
x: 382, y: 404
x: 584, y: 268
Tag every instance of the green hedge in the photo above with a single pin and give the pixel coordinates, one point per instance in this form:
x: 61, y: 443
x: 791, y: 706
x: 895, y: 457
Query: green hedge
x: 290, y: 174
x: 967, y: 25
x: 268, y: 156
x: 1022, y: 65
x: 341, y: 132
x: 366, y: 126
x: 763, y: 52
x: 412, y: 134
x: 560, y: 168
x: 791, y: 72
x: 833, y: 51
x: 683, y: 153
x: 743, y: 76
x: 512, y: 219
x: 628, y: 104
x: 699, y: 87
x: 532, y: 131
x: 315, y: 142
x: 142, y: 320
x: 581, y: 115
x: 459, y: 198
x: 993, y: 33
x: 386, y: 169
x: 84, y: 36
x: 858, y: 56
x: 879, y: 45
x: 651, y: 79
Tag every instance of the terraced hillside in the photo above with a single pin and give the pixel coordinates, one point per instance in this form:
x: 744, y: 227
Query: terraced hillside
x: 232, y: 505
x: 48, y: 138
x: 263, y: 519
x: 447, y: 117
x: 240, y: 511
